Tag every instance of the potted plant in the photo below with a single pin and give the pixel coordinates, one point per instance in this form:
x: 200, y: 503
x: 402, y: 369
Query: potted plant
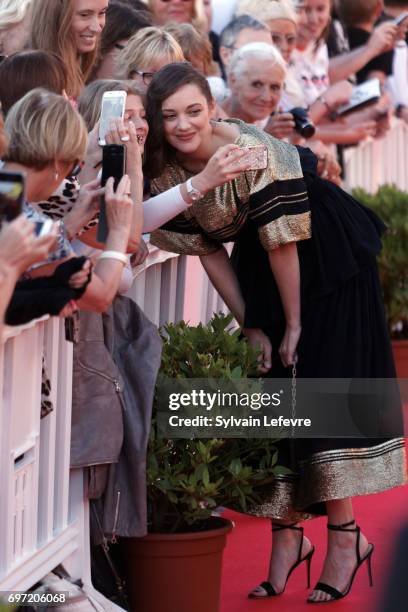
x: 391, y: 205
x: 177, y: 566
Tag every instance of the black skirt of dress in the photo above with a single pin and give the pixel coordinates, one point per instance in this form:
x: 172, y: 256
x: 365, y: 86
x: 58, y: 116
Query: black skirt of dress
x: 344, y: 335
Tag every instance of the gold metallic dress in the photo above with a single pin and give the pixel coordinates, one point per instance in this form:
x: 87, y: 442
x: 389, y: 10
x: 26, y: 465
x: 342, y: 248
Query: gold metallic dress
x: 344, y: 333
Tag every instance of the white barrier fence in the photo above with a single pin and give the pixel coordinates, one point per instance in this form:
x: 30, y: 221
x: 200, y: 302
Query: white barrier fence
x: 377, y: 162
x: 43, y: 513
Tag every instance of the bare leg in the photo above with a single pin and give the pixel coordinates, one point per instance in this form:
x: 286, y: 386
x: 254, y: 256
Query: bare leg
x: 285, y: 548
x: 341, y: 549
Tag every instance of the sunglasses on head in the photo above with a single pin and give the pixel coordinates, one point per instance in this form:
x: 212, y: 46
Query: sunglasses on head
x: 77, y: 167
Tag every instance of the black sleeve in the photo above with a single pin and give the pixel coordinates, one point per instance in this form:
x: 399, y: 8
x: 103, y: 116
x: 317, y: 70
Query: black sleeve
x: 26, y: 305
x: 382, y: 63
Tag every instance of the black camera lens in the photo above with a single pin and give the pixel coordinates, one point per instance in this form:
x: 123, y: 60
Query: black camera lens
x: 303, y: 125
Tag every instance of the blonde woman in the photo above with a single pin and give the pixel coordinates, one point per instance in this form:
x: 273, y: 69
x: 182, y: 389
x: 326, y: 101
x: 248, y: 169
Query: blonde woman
x: 47, y: 138
x: 19, y: 247
x: 180, y: 11
x: 145, y: 53
x: 14, y: 25
x: 72, y: 29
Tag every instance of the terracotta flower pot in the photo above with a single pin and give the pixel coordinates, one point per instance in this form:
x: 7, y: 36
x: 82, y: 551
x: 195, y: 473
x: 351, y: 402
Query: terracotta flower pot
x: 400, y: 350
x: 176, y: 572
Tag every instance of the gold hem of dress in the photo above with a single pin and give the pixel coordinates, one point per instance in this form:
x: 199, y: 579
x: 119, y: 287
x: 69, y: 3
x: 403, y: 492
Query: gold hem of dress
x: 335, y: 474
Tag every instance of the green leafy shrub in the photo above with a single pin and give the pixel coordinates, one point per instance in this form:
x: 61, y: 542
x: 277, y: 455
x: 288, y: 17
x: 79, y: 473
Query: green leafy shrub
x: 391, y: 205
x: 188, y: 478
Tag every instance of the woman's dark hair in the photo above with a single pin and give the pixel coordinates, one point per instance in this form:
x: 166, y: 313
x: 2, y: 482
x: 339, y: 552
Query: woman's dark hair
x: 122, y: 21
x: 27, y: 70
x: 165, y: 83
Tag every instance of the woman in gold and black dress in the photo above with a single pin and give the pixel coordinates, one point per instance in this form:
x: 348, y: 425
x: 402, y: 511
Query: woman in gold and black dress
x: 305, y: 283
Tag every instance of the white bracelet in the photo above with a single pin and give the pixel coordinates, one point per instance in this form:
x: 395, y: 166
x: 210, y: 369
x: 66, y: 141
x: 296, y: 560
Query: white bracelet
x: 114, y: 255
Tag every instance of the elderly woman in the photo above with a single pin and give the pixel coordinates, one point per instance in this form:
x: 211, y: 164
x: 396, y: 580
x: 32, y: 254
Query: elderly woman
x: 257, y: 78
x: 14, y: 25
x: 284, y: 23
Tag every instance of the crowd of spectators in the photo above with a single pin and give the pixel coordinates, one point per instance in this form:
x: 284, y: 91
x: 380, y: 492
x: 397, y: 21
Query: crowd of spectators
x: 271, y: 57
x: 267, y: 61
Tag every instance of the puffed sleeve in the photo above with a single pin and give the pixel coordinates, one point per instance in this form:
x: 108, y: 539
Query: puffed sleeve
x: 182, y: 234
x: 278, y: 200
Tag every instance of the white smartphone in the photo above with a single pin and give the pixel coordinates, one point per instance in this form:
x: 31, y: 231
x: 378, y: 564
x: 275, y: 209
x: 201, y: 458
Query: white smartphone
x: 113, y: 106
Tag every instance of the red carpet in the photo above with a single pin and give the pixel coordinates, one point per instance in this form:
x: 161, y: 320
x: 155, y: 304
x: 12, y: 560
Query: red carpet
x: 247, y: 554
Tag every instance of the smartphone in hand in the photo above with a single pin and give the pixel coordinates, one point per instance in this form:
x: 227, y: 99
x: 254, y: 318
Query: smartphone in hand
x: 256, y: 156
x: 12, y: 195
x: 113, y: 165
x: 113, y: 107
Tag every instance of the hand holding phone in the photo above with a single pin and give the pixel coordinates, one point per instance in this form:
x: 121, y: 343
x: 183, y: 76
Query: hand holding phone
x: 119, y: 211
x: 113, y: 165
x: 255, y: 157
x: 12, y: 195
x: 20, y: 246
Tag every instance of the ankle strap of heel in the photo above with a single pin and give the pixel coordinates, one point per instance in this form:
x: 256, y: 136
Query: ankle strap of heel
x: 294, y: 527
x: 347, y: 527
x: 281, y: 526
x: 343, y: 527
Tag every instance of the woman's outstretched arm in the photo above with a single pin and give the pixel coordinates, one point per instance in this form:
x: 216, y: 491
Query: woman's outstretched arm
x: 222, y: 275
x: 284, y: 262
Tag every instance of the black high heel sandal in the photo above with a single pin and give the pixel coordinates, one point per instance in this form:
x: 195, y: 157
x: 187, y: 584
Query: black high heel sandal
x: 266, y: 586
x: 334, y: 593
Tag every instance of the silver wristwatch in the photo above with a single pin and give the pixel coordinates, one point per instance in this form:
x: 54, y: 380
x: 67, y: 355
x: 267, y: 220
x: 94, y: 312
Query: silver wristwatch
x: 193, y: 193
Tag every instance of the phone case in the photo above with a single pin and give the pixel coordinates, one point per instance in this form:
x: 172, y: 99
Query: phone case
x: 257, y: 157
x: 12, y: 194
x: 111, y: 108
x: 113, y: 164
